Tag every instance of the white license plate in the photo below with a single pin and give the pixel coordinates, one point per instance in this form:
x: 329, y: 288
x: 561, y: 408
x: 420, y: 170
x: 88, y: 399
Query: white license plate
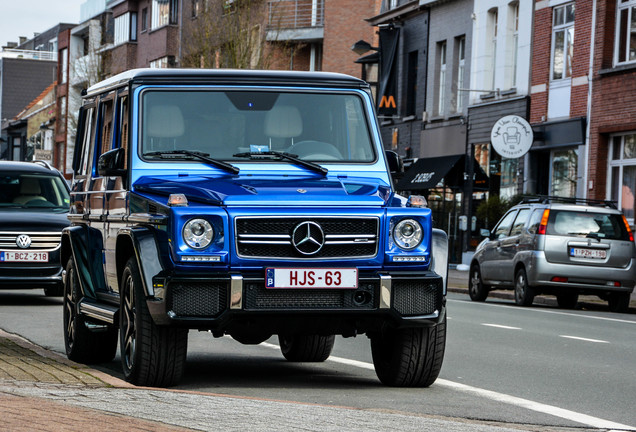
x: 24, y: 256
x: 311, y: 278
x: 588, y: 253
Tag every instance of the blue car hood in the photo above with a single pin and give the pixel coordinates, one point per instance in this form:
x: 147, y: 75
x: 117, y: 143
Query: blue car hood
x: 270, y: 191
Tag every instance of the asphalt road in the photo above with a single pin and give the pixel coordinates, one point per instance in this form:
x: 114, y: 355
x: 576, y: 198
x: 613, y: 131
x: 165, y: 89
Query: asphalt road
x: 539, y: 366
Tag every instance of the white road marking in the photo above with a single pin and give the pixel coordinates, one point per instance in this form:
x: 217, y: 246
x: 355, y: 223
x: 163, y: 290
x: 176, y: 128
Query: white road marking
x: 583, y: 339
x: 501, y: 326
x: 500, y: 397
x: 529, y: 309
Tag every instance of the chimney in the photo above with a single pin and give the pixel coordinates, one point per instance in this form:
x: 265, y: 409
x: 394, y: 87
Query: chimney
x: 23, y: 39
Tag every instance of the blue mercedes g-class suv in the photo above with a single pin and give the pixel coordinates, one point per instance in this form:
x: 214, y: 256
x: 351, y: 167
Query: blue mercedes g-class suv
x: 249, y: 204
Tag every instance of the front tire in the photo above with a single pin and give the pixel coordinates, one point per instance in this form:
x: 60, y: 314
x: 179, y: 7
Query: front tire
x: 306, y: 348
x: 409, y: 357
x: 83, y: 345
x: 524, y: 293
x: 151, y: 355
x: 476, y: 288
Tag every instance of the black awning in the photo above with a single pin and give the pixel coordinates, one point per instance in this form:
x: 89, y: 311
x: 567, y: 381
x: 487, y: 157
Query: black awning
x: 427, y: 173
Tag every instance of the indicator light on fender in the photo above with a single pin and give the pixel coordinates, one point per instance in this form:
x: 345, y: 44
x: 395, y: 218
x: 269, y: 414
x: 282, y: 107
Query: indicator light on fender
x: 177, y: 200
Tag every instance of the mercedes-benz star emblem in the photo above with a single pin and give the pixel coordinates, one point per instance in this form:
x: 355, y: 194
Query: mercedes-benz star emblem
x: 308, y: 238
x: 23, y: 241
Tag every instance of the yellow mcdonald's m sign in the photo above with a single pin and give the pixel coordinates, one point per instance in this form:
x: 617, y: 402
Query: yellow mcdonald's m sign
x: 388, y: 102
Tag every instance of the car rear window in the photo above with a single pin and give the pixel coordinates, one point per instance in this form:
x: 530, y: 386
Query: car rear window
x: 586, y: 224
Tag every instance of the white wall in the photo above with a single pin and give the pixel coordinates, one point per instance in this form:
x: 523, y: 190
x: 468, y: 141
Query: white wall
x: 481, y: 61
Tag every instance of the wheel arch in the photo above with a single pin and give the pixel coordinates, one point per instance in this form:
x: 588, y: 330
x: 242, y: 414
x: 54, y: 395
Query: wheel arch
x: 140, y: 243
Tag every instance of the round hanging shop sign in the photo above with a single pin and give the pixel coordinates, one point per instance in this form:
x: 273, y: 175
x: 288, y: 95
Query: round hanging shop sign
x: 511, y: 136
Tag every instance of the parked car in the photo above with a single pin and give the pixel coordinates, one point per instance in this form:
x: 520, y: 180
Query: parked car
x: 562, y: 247
x: 249, y: 204
x: 34, y: 202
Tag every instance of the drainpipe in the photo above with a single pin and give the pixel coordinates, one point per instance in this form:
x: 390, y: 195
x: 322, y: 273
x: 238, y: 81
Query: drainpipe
x: 590, y: 80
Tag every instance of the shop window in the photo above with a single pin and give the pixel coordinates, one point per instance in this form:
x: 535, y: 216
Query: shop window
x: 509, y: 177
x: 562, y: 41
x: 626, y: 32
x: 623, y: 173
x: 564, y: 173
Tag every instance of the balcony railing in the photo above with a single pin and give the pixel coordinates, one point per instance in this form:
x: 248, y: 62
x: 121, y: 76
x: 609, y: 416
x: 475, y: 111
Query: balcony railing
x: 293, y: 14
x: 29, y: 54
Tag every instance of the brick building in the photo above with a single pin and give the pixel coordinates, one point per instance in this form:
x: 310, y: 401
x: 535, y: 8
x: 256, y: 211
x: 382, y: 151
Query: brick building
x: 612, y: 126
x: 557, y: 161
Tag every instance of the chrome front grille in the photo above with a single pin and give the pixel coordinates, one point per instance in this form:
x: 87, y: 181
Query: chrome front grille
x: 273, y: 237
x: 39, y: 240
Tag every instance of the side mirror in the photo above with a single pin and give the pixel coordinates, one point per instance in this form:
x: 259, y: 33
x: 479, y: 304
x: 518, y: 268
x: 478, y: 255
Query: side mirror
x: 111, y: 163
x: 396, y: 165
x: 484, y: 232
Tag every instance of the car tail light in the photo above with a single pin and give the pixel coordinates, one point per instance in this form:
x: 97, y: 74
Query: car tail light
x: 559, y: 278
x: 629, y: 230
x: 544, y: 222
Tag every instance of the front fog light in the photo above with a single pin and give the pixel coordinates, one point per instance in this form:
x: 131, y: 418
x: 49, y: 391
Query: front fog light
x: 407, y: 234
x: 198, y: 233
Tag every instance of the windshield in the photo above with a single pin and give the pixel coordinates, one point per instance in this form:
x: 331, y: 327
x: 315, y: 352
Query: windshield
x: 33, y: 191
x: 313, y: 126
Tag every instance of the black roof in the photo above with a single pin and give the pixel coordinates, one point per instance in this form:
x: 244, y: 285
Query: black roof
x: 26, y: 167
x: 229, y: 77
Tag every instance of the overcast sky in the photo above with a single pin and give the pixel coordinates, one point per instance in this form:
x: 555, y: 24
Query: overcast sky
x: 25, y: 17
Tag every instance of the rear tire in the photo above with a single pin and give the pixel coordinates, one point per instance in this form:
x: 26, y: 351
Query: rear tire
x: 83, y: 345
x: 567, y: 300
x: 524, y: 293
x: 409, y: 357
x: 619, y: 302
x: 151, y: 355
x: 306, y: 348
x: 476, y: 288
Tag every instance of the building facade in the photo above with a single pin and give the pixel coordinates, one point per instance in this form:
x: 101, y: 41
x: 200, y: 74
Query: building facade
x: 611, y: 167
x: 557, y: 161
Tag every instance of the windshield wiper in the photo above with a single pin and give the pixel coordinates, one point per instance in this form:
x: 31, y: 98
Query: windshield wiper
x: 286, y: 156
x: 199, y: 155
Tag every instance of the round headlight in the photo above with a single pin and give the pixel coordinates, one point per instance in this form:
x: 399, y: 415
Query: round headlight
x: 408, y: 234
x: 198, y: 233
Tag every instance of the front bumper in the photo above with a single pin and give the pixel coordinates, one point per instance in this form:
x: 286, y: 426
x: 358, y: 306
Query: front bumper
x: 227, y: 303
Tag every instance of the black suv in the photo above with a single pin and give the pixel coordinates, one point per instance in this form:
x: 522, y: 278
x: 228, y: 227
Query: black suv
x: 34, y: 202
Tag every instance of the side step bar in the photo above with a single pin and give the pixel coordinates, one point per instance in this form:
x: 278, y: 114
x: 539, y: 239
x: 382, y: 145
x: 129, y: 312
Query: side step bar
x: 101, y: 312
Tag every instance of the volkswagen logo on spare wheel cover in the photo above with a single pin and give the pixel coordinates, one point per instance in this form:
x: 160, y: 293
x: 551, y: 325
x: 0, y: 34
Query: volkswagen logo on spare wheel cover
x: 308, y: 238
x: 23, y: 241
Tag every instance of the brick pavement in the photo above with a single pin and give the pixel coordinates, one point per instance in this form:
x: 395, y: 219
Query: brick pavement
x: 23, y: 364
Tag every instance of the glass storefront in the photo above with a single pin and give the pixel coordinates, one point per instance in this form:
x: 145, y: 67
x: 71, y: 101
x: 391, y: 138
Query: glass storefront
x: 623, y: 173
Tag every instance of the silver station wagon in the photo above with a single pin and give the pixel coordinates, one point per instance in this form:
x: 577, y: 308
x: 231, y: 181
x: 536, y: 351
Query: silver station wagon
x: 565, y: 248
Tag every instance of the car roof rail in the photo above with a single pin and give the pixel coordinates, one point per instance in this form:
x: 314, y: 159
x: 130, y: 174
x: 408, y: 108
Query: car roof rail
x: 547, y: 199
x: 43, y: 163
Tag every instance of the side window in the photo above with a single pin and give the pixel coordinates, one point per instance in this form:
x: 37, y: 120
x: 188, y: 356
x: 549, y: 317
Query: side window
x: 535, y: 221
x: 88, y: 141
x: 105, y: 142
x: 121, y: 140
x: 520, y: 222
x: 503, y: 228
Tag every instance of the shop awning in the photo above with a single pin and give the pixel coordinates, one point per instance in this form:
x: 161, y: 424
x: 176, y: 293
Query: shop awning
x: 427, y: 173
